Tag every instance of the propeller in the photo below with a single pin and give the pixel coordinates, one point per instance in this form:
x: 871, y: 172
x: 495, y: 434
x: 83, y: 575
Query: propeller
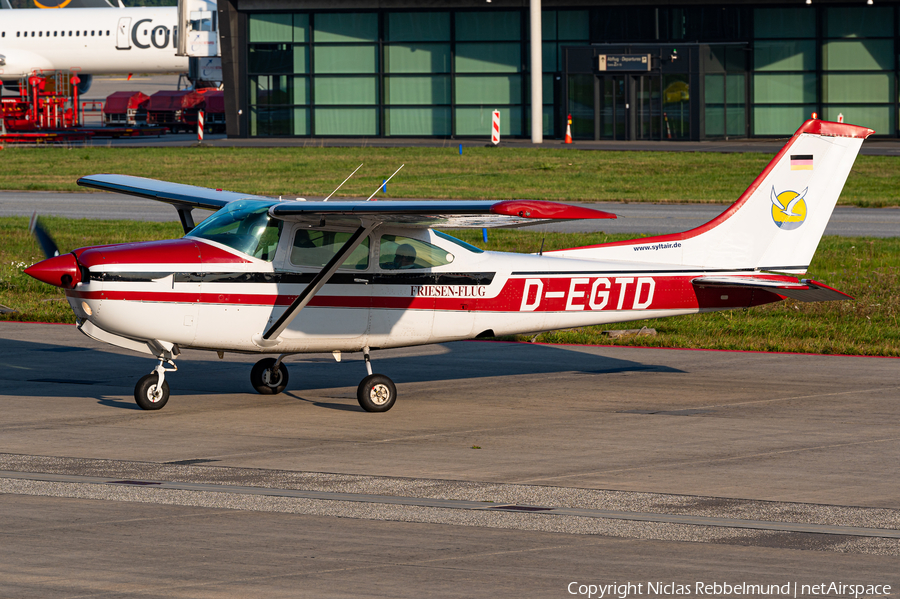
x: 59, y: 270
x: 43, y: 237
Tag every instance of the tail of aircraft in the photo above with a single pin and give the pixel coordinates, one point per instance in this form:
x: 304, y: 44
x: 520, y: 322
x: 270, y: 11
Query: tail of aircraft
x: 777, y: 222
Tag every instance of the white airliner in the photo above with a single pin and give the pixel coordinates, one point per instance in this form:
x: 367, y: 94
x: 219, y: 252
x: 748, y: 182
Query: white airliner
x: 91, y: 41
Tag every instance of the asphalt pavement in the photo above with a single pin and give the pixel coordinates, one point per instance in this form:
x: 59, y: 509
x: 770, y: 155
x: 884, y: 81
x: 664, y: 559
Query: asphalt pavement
x: 504, y: 470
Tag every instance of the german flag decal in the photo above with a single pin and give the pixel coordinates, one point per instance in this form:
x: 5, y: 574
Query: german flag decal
x: 801, y: 162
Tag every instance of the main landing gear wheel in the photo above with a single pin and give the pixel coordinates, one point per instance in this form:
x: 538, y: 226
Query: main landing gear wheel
x: 376, y: 393
x: 148, y: 394
x: 266, y: 379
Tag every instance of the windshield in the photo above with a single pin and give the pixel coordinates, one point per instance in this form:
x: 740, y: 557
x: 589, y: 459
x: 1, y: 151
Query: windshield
x: 244, y: 226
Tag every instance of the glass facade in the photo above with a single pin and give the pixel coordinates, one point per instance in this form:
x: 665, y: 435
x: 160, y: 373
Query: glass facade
x: 436, y: 73
x: 831, y: 60
x: 442, y: 72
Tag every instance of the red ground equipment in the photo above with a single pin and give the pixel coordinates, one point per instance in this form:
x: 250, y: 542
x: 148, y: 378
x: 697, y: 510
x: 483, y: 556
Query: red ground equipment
x: 176, y: 110
x: 43, y: 112
x: 214, y: 111
x: 125, y: 109
x: 45, y: 103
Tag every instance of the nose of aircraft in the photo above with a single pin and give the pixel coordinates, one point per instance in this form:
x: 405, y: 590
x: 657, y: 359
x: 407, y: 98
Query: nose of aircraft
x: 61, y: 271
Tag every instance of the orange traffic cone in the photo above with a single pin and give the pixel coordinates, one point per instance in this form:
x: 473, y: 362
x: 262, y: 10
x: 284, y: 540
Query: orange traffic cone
x: 569, y: 130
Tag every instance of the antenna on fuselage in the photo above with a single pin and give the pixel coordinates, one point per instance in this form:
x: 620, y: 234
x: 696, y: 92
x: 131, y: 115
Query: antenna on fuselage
x: 384, y: 183
x: 342, y: 183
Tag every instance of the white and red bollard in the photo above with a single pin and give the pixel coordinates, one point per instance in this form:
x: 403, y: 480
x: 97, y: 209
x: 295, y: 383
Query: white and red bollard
x: 200, y: 127
x: 495, y: 127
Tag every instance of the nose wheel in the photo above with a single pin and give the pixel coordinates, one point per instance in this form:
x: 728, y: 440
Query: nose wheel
x: 376, y: 392
x: 152, y: 390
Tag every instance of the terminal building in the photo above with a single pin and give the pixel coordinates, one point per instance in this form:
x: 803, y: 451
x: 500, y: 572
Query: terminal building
x: 623, y: 70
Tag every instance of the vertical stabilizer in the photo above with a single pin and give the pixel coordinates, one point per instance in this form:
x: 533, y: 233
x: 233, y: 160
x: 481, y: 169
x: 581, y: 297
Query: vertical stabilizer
x: 777, y: 222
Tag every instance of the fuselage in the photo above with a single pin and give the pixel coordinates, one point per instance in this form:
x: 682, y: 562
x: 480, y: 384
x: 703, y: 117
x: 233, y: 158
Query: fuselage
x: 90, y: 41
x: 198, y: 293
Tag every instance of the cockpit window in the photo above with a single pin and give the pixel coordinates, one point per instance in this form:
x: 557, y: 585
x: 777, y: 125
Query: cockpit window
x: 459, y: 242
x: 316, y: 248
x: 397, y: 253
x: 245, y: 226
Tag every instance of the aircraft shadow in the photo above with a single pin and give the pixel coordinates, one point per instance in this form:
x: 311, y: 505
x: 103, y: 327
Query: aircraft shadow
x: 33, y: 369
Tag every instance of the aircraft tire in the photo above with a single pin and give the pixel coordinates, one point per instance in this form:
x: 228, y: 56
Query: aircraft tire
x: 145, y: 389
x: 262, y: 379
x: 376, y: 393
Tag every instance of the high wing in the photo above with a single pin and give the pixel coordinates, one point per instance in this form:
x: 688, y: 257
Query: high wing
x: 447, y: 214
x: 806, y: 290
x: 184, y: 197
x: 178, y: 194
x: 451, y: 214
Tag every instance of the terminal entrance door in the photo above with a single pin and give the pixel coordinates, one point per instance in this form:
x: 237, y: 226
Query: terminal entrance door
x: 618, y: 107
x: 627, y: 107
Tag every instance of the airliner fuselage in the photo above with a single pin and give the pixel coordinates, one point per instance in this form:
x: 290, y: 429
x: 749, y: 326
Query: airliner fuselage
x: 89, y: 40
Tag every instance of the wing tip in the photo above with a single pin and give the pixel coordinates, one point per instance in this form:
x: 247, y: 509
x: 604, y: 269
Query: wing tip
x: 542, y: 209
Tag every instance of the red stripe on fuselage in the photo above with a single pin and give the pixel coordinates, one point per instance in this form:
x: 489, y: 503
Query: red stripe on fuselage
x: 527, y: 294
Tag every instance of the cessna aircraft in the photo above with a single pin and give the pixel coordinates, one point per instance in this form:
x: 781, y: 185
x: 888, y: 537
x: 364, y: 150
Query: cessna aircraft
x: 91, y: 41
x: 271, y: 276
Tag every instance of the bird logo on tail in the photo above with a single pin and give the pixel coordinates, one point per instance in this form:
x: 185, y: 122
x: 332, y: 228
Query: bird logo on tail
x: 789, y: 209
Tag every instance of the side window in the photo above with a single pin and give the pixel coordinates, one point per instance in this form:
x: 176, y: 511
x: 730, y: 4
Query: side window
x: 316, y: 248
x: 404, y: 252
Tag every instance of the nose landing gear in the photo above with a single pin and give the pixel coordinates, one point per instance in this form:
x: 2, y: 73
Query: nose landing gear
x: 152, y: 390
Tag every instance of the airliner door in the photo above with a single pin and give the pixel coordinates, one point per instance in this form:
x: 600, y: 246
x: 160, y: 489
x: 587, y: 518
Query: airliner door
x: 123, y: 34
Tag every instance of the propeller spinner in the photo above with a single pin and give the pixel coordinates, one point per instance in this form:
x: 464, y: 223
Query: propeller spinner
x: 59, y: 270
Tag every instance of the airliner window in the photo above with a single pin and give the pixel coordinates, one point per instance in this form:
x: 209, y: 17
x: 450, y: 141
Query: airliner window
x: 316, y: 248
x: 245, y: 226
x: 396, y: 253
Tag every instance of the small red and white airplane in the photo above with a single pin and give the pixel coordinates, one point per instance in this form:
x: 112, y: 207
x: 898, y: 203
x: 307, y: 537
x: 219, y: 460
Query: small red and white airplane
x: 270, y: 276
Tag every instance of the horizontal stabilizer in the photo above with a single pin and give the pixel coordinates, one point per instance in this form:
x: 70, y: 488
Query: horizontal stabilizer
x: 178, y: 194
x: 449, y: 214
x: 805, y: 290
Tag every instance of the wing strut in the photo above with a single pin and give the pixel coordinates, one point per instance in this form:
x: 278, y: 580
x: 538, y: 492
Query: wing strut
x: 185, y: 213
x: 270, y: 337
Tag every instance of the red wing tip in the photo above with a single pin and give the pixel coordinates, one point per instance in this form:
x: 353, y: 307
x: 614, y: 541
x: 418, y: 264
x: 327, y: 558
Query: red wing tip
x: 550, y: 210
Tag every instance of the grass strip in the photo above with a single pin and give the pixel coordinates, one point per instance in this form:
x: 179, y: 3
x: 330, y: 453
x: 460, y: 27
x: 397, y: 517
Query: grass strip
x: 480, y: 173
x: 866, y: 268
